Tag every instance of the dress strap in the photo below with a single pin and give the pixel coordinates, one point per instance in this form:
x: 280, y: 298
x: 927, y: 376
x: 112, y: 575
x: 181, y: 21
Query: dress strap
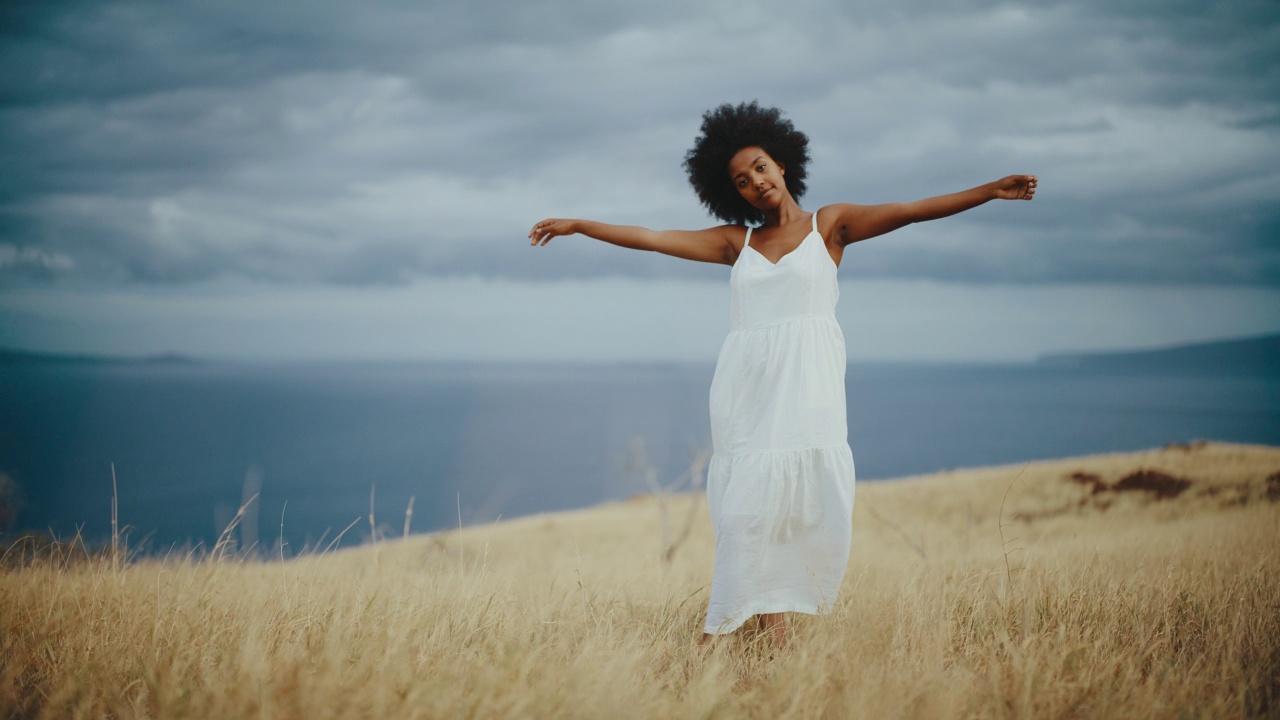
x: 815, y: 221
x: 747, y: 242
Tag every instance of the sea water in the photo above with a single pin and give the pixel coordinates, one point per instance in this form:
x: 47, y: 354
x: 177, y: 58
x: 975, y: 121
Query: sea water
x: 325, y: 446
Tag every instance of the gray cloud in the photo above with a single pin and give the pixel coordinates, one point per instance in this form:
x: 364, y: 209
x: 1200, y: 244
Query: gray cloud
x: 302, y: 142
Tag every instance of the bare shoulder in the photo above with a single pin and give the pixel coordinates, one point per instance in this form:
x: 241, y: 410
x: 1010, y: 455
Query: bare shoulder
x: 833, y: 220
x: 732, y: 238
x: 734, y: 235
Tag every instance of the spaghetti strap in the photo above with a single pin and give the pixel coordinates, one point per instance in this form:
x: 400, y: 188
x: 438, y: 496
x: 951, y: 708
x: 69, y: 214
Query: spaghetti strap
x: 747, y: 242
x: 815, y: 221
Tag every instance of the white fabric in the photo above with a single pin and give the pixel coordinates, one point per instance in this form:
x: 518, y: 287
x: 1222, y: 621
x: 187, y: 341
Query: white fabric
x: 780, y: 483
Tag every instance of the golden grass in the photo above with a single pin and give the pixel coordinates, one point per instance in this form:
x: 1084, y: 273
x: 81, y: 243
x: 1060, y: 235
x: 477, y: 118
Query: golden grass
x: 1106, y: 605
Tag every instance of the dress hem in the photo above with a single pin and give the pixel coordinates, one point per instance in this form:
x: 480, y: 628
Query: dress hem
x: 807, y: 608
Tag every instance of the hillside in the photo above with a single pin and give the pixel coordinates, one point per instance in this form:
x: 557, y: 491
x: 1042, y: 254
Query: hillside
x: 1138, y: 585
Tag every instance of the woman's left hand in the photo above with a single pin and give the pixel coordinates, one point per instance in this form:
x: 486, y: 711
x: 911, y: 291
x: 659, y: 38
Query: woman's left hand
x: 1015, y: 187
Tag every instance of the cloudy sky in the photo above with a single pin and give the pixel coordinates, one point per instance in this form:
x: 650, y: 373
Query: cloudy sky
x: 356, y: 180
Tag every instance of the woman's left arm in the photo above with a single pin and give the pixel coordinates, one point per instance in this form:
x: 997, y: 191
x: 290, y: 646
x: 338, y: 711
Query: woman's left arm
x: 859, y: 222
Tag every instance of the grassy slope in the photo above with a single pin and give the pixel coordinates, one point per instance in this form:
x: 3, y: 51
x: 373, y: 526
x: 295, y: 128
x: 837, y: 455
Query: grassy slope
x: 1107, y: 604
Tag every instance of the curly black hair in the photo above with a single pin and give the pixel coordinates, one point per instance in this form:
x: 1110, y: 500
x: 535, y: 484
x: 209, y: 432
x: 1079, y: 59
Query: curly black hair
x: 726, y: 130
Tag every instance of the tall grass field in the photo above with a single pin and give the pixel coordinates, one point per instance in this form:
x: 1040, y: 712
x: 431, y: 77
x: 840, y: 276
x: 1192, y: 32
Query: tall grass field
x: 1141, y: 585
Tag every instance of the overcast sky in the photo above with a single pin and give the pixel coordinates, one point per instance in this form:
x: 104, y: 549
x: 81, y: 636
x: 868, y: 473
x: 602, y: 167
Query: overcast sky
x: 319, y: 179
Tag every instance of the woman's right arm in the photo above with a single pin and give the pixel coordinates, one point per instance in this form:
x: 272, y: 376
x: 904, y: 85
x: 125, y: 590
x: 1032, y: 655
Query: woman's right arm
x: 714, y: 245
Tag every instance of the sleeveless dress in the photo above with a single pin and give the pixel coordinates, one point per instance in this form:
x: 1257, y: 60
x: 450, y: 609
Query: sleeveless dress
x: 781, y: 478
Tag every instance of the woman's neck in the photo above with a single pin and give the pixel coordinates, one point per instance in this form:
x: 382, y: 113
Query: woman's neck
x: 788, y: 211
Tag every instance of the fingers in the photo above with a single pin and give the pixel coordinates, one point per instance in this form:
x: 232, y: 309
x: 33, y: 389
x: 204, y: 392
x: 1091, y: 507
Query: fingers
x: 1017, y: 187
x: 542, y: 232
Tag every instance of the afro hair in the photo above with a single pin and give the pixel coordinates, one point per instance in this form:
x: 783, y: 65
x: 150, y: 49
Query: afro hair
x: 726, y: 130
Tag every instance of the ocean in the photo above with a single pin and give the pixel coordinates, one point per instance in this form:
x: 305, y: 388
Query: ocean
x: 322, y: 445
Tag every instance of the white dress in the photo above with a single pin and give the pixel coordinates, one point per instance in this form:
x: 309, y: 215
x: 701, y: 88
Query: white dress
x: 780, y: 482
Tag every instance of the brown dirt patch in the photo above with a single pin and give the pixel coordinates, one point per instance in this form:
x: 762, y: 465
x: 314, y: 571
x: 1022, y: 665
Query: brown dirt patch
x: 1093, y: 481
x: 1153, y: 481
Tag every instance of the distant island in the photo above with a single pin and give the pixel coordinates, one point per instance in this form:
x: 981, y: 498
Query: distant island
x: 1258, y: 355
x: 1253, y: 355
x: 24, y: 357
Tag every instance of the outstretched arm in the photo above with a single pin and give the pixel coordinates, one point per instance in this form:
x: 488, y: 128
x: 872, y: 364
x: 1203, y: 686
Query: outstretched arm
x: 859, y: 222
x: 714, y: 245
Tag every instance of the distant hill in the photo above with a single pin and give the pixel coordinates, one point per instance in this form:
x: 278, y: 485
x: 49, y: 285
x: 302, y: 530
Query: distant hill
x: 1254, y: 355
x: 24, y: 357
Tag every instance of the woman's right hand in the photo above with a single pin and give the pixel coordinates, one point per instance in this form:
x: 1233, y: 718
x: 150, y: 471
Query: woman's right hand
x: 714, y: 245
x: 542, y: 232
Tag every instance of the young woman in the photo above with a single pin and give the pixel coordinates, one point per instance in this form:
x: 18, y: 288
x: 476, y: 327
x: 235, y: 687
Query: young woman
x: 780, y: 482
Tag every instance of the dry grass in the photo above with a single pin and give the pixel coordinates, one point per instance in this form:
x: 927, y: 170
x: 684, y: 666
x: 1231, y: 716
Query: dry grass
x: 1086, y: 601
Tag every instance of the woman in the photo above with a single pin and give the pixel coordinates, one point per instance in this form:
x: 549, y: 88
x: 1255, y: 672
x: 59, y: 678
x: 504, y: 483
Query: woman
x: 780, y: 482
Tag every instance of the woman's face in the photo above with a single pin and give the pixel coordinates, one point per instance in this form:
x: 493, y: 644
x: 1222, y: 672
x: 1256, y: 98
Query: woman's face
x: 758, y: 177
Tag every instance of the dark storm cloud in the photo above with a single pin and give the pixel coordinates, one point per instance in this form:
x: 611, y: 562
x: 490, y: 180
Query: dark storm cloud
x: 302, y: 142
